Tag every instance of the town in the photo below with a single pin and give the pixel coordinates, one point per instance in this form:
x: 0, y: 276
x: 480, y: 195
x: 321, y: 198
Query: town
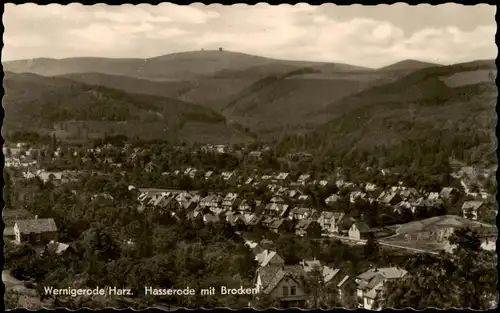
x: 300, y: 237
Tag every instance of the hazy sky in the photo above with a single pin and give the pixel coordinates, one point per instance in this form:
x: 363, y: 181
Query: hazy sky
x: 362, y: 35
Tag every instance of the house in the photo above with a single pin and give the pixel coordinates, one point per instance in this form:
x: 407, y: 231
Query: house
x: 276, y: 209
x: 266, y: 178
x: 193, y: 173
x: 359, y: 231
x: 208, y: 175
x: 247, y: 218
x: 211, y: 218
x: 327, y: 221
x: 282, y: 191
x: 346, y: 286
x: 58, y: 248
x: 231, y: 201
x: 277, y: 199
x: 252, y: 219
x: 267, y: 257
x: 294, y: 193
x: 308, y: 266
x: 229, y: 177
x: 244, y: 206
x: 344, y: 223
x: 283, y: 177
x: 323, y: 183
x: 277, y: 225
x: 433, y: 196
x: 304, y: 198
x: 370, y: 187
x: 211, y: 201
x: 255, y: 155
x: 303, y: 179
x: 371, y: 282
x: 306, y: 227
x: 404, y: 205
x: 374, y: 194
x: 282, y: 283
x: 409, y: 194
x: 299, y: 213
x: 35, y: 231
x: 392, y: 198
x: 188, y: 171
x: 447, y: 192
x: 235, y: 220
x: 167, y: 205
x: 332, y: 200
x: 470, y: 209
x: 354, y: 195
x: 327, y: 273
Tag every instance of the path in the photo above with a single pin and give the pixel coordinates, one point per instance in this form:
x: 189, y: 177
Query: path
x: 382, y: 243
x: 9, y: 280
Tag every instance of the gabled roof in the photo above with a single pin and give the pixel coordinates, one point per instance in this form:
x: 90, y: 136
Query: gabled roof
x: 57, y: 247
x: 37, y: 226
x: 303, y: 224
x: 276, y: 223
x: 386, y: 273
x: 266, y: 256
x: 272, y: 275
x: 474, y: 205
x: 343, y: 281
x: 362, y: 226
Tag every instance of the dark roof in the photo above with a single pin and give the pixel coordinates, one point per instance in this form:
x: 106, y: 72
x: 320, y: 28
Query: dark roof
x: 362, y: 227
x: 37, y: 226
x: 271, y: 275
x: 277, y: 223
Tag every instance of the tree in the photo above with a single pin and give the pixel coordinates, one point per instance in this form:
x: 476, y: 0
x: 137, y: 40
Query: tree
x: 372, y: 248
x: 470, y: 275
x: 321, y: 295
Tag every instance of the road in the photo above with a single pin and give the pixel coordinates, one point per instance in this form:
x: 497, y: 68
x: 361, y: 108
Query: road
x: 382, y: 243
x: 9, y: 280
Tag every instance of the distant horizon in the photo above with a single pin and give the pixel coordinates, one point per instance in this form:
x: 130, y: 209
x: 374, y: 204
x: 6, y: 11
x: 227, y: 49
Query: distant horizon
x: 243, y: 53
x: 366, y: 36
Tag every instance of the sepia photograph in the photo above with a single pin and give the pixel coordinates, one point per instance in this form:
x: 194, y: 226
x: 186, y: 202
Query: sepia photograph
x: 249, y: 156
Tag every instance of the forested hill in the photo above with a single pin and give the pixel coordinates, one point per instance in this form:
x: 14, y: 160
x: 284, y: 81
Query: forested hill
x: 419, y: 120
x: 79, y: 111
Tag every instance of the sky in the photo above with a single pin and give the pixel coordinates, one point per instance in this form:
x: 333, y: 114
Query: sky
x: 370, y: 36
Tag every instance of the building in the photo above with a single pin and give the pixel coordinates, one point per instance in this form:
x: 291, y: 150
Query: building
x: 300, y: 213
x: 283, y: 177
x: 332, y: 200
x: 470, y: 209
x: 211, y: 201
x: 229, y: 177
x: 392, y: 198
x: 447, y: 193
x: 35, y: 231
x: 267, y: 257
x: 245, y: 206
x: 255, y: 155
x: 355, y: 195
x: 304, y: 179
x: 371, y: 282
x: 276, y: 209
x: 328, y: 222
x: 208, y: 175
x: 359, y: 231
x: 277, y: 225
x: 231, y: 201
x: 284, y: 284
